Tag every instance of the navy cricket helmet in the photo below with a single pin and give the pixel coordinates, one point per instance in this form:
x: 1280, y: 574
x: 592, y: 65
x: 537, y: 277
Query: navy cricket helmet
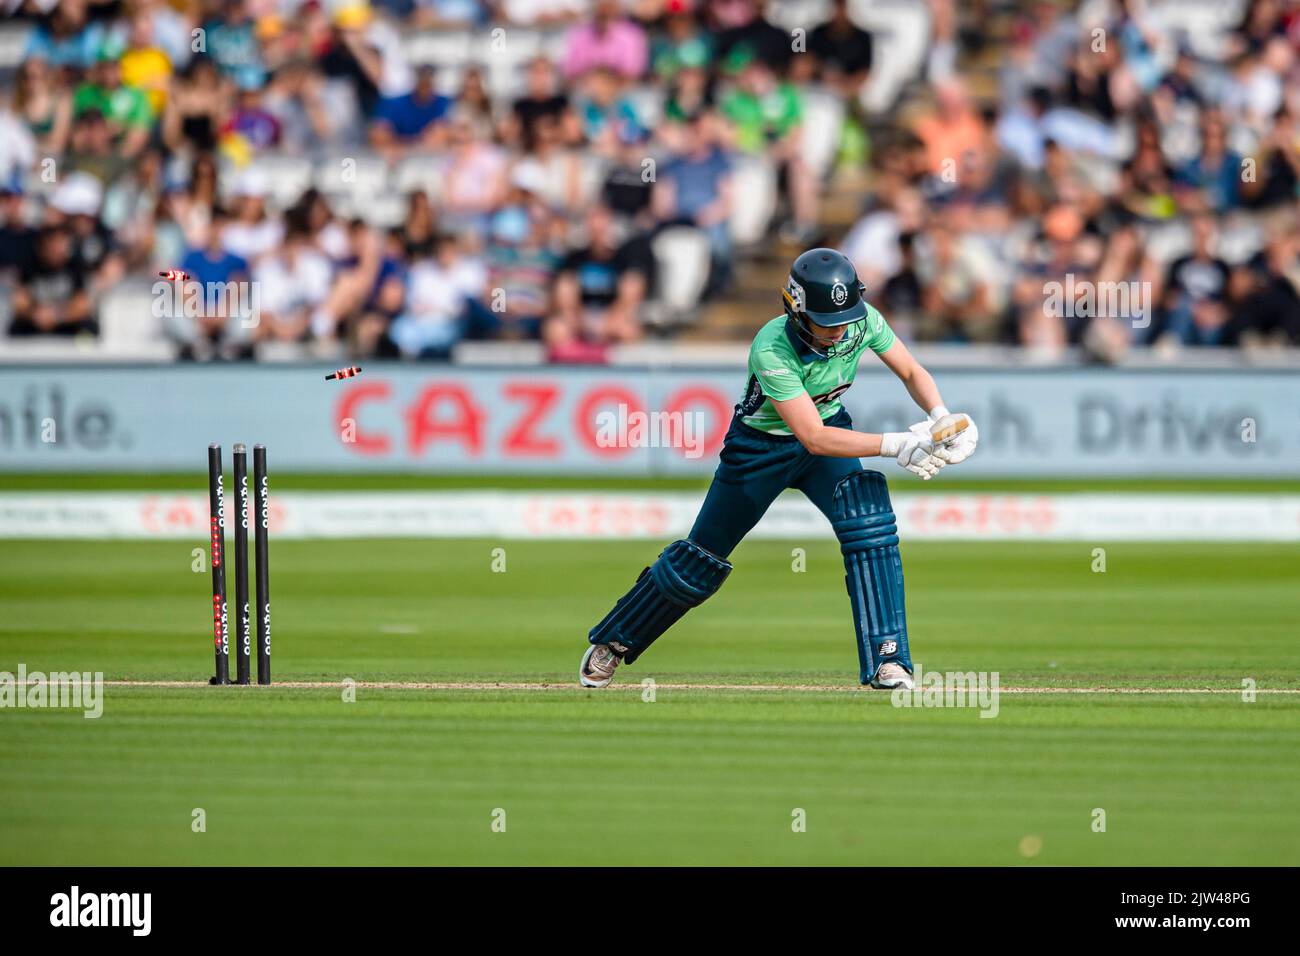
x: 824, y: 289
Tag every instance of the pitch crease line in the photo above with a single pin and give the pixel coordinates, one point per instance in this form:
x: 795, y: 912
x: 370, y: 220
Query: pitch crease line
x: 661, y: 685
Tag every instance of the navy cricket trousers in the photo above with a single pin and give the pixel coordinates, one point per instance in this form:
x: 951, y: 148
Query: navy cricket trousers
x: 754, y: 469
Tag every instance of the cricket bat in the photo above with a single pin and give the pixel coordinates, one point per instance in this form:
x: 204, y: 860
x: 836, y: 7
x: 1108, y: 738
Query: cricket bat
x: 946, y: 430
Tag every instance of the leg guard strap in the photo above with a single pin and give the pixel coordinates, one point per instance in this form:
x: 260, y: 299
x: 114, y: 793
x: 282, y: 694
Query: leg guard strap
x: 683, y: 577
x: 864, y: 522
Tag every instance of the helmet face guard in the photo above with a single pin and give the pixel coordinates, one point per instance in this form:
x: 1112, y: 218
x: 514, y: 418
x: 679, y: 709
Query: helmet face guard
x: 846, y: 307
x: 845, y: 346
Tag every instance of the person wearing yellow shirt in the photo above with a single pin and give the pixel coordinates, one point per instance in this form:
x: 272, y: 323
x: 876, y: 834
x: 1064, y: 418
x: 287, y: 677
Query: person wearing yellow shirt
x: 144, y: 65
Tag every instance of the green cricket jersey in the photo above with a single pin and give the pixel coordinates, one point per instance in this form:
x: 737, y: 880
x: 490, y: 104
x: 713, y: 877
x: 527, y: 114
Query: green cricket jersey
x: 781, y: 367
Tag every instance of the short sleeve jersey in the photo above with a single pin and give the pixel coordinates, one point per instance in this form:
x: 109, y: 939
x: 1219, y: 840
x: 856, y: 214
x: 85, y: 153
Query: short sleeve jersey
x: 781, y: 367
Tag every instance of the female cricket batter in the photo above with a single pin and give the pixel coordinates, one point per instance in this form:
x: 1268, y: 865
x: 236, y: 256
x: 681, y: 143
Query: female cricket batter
x: 790, y: 431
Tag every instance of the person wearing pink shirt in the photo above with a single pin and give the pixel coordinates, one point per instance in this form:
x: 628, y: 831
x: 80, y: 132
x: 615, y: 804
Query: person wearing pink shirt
x: 609, y: 40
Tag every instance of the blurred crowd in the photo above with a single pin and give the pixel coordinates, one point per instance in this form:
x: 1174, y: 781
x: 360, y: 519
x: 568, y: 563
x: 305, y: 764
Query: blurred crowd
x: 1098, y: 148
x: 1117, y: 189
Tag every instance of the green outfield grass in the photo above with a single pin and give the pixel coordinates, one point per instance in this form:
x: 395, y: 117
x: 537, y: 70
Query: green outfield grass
x: 696, y: 776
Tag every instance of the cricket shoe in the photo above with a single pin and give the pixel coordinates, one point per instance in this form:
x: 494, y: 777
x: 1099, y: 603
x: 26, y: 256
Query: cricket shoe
x: 891, y: 676
x: 599, y: 663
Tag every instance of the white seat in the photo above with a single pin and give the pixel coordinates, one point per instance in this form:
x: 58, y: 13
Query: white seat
x: 287, y: 176
x: 682, y: 253
x: 823, y: 118
x: 383, y: 212
x: 13, y: 44
x: 126, y: 318
x: 901, y: 31
x: 1238, y: 241
x: 1167, y: 241
x: 753, y: 183
x: 360, y: 175
x: 443, y: 47
x: 423, y: 171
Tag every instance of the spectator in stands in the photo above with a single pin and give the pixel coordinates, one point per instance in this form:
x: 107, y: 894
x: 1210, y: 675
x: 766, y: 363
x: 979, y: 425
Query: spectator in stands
x: 441, y: 289
x: 542, y: 99
x: 252, y: 232
x: 256, y: 129
x: 194, y: 206
x: 561, y: 165
x: 169, y: 30
x: 1276, y: 166
x: 293, y: 282
x: 1061, y: 254
x: 65, y: 37
x: 415, y: 118
x: 540, y: 13
x: 475, y: 180
x: 843, y: 53
x: 956, y: 273
x: 765, y: 114
x: 520, y: 259
x: 977, y: 198
x: 874, y: 241
x: 90, y: 148
x: 44, y: 105
x: 369, y: 327
x: 295, y: 99
x: 145, y: 65
x: 75, y: 207
x: 196, y: 109
x: 690, y: 91
x: 740, y: 23
x: 17, y: 237
x: 1195, y: 293
x: 231, y: 41
x: 1094, y: 156
x: 629, y: 178
x: 17, y: 148
x: 352, y: 66
x: 124, y: 108
x: 1123, y: 267
x: 604, y: 110
x: 163, y: 243
x: 1255, y: 92
x: 312, y: 211
x: 951, y: 130
x: 682, y: 43
x: 598, y: 295
x: 610, y: 41
x: 1265, y: 292
x: 474, y: 105
x: 52, y: 296
x: 694, y: 188
x: 1140, y: 45
x: 1211, y: 180
x: 442, y: 14
x: 420, y: 227
x: 1088, y: 86
x: 901, y: 296
x: 206, y: 327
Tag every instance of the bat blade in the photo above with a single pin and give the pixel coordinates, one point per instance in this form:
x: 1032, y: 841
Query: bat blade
x: 947, y: 429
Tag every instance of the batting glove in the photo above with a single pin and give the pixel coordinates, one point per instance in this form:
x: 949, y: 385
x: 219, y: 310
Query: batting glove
x: 913, y: 451
x: 955, y: 435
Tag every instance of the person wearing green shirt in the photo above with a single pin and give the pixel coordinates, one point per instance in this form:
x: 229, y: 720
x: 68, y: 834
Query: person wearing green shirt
x: 790, y: 430
x: 125, y: 108
x: 765, y: 114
